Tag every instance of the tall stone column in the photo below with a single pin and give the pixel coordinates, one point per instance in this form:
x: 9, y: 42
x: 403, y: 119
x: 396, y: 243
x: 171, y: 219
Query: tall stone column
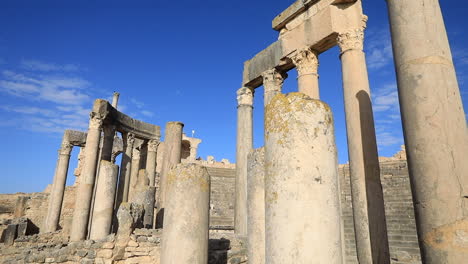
x: 58, y: 188
x: 256, y: 206
x: 435, y: 129
x: 134, y: 170
x: 104, y: 202
x: 272, y: 84
x: 84, y: 191
x: 302, y: 206
x: 366, y: 188
x: 151, y: 160
x: 115, y: 99
x: 306, y: 61
x: 172, y: 156
x: 187, y: 211
x: 108, y: 142
x: 126, y: 168
x: 243, y: 147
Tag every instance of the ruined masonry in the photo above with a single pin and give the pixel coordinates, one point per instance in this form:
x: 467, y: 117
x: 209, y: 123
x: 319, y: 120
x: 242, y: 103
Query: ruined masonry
x: 289, y: 201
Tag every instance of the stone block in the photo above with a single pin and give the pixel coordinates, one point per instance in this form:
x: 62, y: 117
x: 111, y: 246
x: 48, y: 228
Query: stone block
x: 9, y: 234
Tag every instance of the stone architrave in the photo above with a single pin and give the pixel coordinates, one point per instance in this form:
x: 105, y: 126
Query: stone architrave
x: 58, y: 188
x: 435, y: 129
x: 302, y: 206
x: 172, y: 156
x: 84, y: 190
x: 306, y: 62
x: 104, y: 202
x: 243, y: 147
x: 256, y: 206
x: 366, y: 188
x: 185, y: 239
x: 272, y: 84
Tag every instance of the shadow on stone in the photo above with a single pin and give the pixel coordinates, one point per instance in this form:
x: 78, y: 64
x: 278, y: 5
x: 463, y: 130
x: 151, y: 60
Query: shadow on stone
x: 217, y: 251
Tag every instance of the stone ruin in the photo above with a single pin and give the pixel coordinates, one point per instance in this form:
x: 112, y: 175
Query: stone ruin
x: 289, y: 201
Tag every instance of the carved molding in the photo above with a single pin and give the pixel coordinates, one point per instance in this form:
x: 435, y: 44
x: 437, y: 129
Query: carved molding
x: 245, y: 96
x: 352, y: 39
x: 95, y: 122
x: 128, y: 140
x: 153, y: 145
x: 306, y: 61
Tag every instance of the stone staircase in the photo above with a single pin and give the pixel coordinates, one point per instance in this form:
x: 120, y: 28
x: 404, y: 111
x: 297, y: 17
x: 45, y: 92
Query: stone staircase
x: 222, y: 198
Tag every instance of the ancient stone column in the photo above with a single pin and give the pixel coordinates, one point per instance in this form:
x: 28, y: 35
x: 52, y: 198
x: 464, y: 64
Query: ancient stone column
x: 256, y: 206
x: 302, y: 206
x: 144, y: 195
x: 104, y: 202
x: 243, y: 147
x: 58, y: 188
x: 108, y: 141
x: 272, y: 84
x: 306, y: 61
x: 151, y: 160
x: 172, y: 156
x: 194, y: 148
x: 126, y: 168
x: 115, y: 99
x: 187, y: 211
x: 435, y: 129
x: 367, y: 196
x: 134, y: 170
x: 84, y: 191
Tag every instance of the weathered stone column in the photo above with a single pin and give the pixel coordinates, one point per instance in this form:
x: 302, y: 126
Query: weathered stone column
x: 173, y: 144
x: 108, y: 142
x: 435, y: 129
x: 126, y: 168
x: 243, y: 147
x: 115, y: 99
x: 151, y: 160
x: 84, y: 190
x: 58, y: 188
x: 272, y: 84
x: 194, y: 148
x: 134, y: 170
x: 187, y: 211
x: 104, y: 202
x: 366, y: 189
x: 256, y: 206
x: 306, y: 61
x: 302, y: 206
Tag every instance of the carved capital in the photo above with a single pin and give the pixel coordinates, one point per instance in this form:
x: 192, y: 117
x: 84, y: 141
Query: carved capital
x: 65, y: 148
x: 128, y: 140
x: 136, y: 154
x: 273, y: 80
x: 245, y: 96
x: 153, y: 145
x: 352, y: 39
x: 306, y: 61
x: 95, y: 121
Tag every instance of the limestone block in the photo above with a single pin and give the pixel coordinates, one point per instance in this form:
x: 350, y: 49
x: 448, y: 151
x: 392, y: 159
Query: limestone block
x: 129, y: 217
x: 9, y: 234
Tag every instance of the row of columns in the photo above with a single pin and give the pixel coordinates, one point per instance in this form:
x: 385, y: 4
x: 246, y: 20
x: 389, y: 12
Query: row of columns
x: 435, y: 131
x: 368, y: 206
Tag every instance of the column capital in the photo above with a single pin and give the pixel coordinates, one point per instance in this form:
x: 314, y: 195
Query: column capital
x: 306, y: 61
x: 95, y: 121
x: 65, y: 148
x: 128, y: 139
x: 245, y: 96
x: 273, y: 80
x: 153, y: 145
x: 352, y: 39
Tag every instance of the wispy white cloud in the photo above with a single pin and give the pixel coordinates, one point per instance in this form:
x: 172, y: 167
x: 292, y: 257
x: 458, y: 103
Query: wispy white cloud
x: 138, y: 104
x: 378, y: 49
x: 386, y: 98
x: 36, y: 65
x: 57, y: 89
x: 386, y: 139
x: 147, y: 113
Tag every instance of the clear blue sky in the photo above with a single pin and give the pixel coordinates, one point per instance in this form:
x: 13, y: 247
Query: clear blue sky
x: 171, y: 61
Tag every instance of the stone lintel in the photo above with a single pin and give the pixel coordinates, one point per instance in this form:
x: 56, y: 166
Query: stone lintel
x: 318, y: 32
x: 74, y: 137
x: 123, y: 122
x: 291, y: 12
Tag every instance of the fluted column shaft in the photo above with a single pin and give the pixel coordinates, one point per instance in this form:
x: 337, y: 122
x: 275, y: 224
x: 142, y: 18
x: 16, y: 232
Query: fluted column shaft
x: 243, y: 147
x: 58, y: 188
x: 367, y: 196
x: 306, y: 61
x: 84, y: 191
x: 434, y: 127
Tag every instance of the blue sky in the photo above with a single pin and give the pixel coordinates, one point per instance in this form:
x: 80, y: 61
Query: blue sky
x: 171, y: 61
